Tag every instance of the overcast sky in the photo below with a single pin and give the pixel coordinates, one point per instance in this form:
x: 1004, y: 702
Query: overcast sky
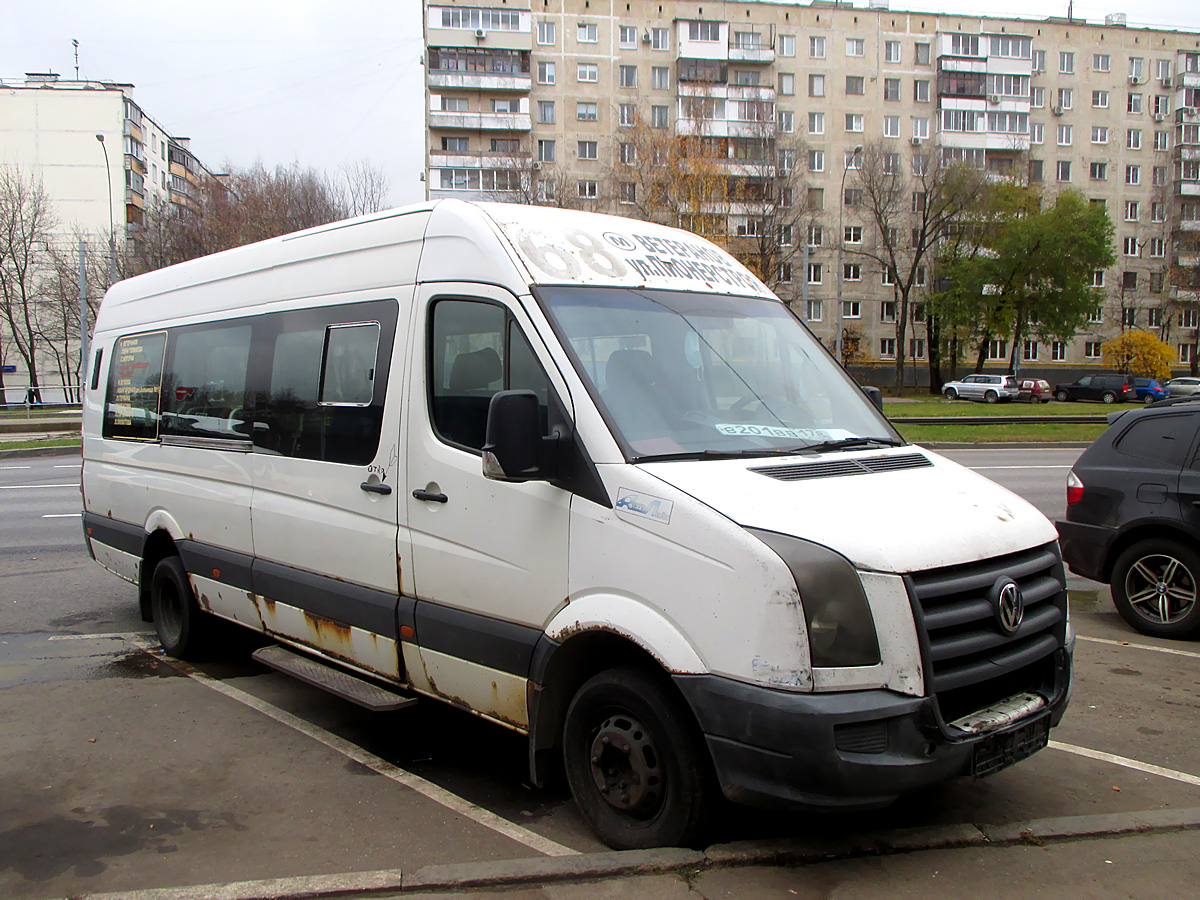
x: 319, y: 82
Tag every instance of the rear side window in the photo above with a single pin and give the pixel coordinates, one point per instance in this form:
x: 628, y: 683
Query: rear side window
x: 204, y: 392
x: 131, y: 409
x: 1161, y: 439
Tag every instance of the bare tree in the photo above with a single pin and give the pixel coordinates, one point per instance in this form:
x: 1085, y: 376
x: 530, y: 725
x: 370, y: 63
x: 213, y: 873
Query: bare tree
x: 27, y: 224
x: 910, y: 200
x: 365, y: 188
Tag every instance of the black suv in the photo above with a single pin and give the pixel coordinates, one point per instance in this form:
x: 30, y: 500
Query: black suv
x: 1107, y: 388
x: 1133, y: 516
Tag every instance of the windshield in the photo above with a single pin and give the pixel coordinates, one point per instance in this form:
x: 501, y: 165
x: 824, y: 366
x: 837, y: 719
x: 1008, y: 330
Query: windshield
x: 684, y: 374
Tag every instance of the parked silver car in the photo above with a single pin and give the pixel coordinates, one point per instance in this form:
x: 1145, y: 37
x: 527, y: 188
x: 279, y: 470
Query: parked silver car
x: 1183, y: 387
x: 988, y: 388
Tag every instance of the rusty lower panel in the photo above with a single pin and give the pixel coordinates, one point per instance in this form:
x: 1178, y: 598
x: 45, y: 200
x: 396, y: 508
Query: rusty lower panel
x: 356, y: 646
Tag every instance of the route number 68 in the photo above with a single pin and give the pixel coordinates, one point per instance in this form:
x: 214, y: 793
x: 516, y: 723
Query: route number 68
x: 563, y: 262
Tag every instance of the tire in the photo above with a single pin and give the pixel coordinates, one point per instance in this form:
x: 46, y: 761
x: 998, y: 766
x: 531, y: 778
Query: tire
x: 991, y: 397
x: 1148, y: 399
x: 183, y: 628
x: 626, y: 709
x: 1155, y: 587
x: 950, y: 394
x: 1062, y: 396
x: 1108, y: 397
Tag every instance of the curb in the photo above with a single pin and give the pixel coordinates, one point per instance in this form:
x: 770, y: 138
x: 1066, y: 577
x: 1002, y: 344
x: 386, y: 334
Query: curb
x: 73, y: 450
x: 594, y: 866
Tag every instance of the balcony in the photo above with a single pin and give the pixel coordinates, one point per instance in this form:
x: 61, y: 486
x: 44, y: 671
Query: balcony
x: 1189, y: 188
x: 757, y: 47
x: 724, y: 128
x: 136, y: 163
x: 1188, y: 80
x: 1188, y: 225
x: 459, y: 121
x: 486, y: 160
x: 480, y: 81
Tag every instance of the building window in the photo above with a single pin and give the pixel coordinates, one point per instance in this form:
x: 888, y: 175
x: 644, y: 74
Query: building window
x: 786, y: 121
x: 1132, y: 209
x: 816, y: 235
x: 626, y: 192
x: 1158, y: 212
x: 920, y: 128
x: 1159, y: 175
x: 783, y: 273
x: 1037, y: 133
x: 588, y: 189
x: 887, y: 309
x: 627, y: 76
x: 1133, y: 174
x: 851, y: 309
x: 887, y: 348
x: 916, y: 348
x: 1098, y: 278
x: 815, y: 273
x: 855, y: 47
x: 853, y: 197
x: 1064, y: 170
x: 921, y: 54
x: 1100, y: 62
x: 589, y: 149
x: 1066, y: 63
x: 816, y: 160
x: 660, y: 78
x: 1158, y: 248
x: 1037, y: 171
x: 1091, y: 349
x: 1162, y: 140
x: 964, y: 45
x: 787, y: 45
x: 1066, y: 98
x: 1137, y: 68
x: 997, y: 349
x: 816, y: 85
x: 546, y: 151
x: 1129, y: 283
x: 1134, y: 104
x: 1130, y: 246
x: 1129, y: 317
x: 816, y: 123
x: 660, y: 39
x: 854, y: 122
x: 659, y: 117
x: 545, y: 33
x: 1154, y: 317
x: 815, y: 309
x: 1098, y: 171
x: 855, y: 84
x: 628, y: 36
x: 587, y: 34
x: 1099, y: 134
x: 787, y: 83
x: 545, y: 73
x: 454, y: 144
x: 1133, y: 139
x: 627, y: 114
x: 1189, y: 318
x: 1100, y: 99
x: 587, y: 72
x: 816, y: 47
x: 891, y: 89
x: 1186, y: 352
x: 1029, y: 351
x: 851, y: 272
x: 545, y: 112
x: 852, y: 234
x: 1037, y: 97
x: 1066, y: 134
x: 704, y: 31
x: 891, y: 126
x: 1058, y: 351
x: 1039, y: 60
x: 587, y: 112
x: 921, y: 90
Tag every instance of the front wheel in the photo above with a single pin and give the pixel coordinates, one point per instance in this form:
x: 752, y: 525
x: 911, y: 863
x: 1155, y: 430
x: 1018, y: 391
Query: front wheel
x: 1062, y: 397
x: 991, y: 397
x: 636, y: 761
x: 183, y: 628
x: 1154, y: 587
x: 950, y: 394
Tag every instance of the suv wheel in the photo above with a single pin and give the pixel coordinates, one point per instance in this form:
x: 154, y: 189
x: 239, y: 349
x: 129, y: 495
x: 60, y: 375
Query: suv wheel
x: 950, y: 394
x: 1155, y: 588
x: 991, y: 397
x: 1062, y: 397
x: 1108, y: 397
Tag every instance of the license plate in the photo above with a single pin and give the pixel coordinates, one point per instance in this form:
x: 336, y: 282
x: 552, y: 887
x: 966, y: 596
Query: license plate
x: 999, y: 751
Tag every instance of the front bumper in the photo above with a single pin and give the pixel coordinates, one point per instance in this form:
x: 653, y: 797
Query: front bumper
x: 849, y: 750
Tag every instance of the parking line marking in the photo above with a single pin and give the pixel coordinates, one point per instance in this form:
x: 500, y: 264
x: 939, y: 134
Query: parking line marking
x: 62, y: 515
x: 981, y: 468
x: 25, y: 487
x: 16, y: 467
x: 132, y: 637
x: 1171, y: 650
x: 428, y: 789
x: 1126, y: 762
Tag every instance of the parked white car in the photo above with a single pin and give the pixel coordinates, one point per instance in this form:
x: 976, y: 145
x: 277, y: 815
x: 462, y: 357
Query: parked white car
x: 1183, y: 387
x: 988, y: 388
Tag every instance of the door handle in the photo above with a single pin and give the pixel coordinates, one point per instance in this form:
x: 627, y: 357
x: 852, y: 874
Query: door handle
x: 376, y: 487
x: 431, y: 496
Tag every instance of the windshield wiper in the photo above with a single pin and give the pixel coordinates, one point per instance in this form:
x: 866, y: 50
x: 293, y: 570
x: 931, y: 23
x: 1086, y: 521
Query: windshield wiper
x: 848, y: 444
x: 717, y: 454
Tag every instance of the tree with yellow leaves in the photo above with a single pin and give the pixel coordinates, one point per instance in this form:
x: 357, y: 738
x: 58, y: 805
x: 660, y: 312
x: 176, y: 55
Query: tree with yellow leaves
x: 1138, y: 353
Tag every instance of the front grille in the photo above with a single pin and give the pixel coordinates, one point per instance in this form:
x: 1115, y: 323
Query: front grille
x: 841, y: 467
x: 970, y: 663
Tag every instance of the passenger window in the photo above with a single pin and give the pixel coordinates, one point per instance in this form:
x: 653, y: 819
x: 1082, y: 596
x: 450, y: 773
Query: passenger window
x: 204, y: 391
x: 1162, y: 439
x: 323, y: 397
x: 476, y: 350
x: 131, y: 410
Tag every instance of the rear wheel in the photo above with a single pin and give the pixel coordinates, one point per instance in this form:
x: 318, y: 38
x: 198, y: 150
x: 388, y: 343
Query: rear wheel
x: 1108, y: 397
x: 636, y: 761
x: 950, y: 394
x: 1062, y: 397
x: 1148, y: 399
x: 1155, y: 587
x: 183, y: 628
x: 991, y: 397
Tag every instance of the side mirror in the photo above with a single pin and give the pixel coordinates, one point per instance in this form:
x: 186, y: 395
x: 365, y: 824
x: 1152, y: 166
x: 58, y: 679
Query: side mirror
x: 512, y: 446
x: 875, y: 396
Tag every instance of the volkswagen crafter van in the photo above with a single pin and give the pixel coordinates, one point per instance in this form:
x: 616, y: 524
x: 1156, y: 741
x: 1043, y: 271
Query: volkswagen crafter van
x: 583, y: 476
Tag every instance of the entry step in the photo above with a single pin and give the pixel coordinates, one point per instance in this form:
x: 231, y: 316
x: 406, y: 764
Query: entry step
x: 336, y: 681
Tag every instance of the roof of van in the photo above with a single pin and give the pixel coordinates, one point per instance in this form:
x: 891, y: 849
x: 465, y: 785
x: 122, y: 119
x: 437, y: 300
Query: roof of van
x: 506, y: 244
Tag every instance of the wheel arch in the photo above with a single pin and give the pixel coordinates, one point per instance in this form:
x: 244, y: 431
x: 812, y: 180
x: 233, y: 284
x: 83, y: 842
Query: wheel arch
x: 158, y: 546
x: 1144, y: 531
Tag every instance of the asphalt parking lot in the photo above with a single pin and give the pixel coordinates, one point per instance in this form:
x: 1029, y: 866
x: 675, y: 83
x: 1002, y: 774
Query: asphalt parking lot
x: 121, y: 771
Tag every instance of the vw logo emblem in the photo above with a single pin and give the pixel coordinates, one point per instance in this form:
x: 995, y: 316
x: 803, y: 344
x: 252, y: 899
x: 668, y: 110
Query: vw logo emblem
x: 619, y: 241
x: 1009, y: 606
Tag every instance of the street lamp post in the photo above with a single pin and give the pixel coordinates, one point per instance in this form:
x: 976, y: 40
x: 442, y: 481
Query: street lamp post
x: 112, y: 238
x: 837, y: 345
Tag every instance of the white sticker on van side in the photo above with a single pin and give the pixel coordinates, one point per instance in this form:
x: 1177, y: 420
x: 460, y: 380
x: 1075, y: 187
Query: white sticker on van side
x: 646, y: 505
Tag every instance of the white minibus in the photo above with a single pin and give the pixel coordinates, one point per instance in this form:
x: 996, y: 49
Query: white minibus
x: 583, y: 476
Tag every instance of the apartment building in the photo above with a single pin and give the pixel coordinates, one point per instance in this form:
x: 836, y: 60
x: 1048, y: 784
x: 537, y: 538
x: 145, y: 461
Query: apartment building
x: 104, y: 163
x: 533, y: 102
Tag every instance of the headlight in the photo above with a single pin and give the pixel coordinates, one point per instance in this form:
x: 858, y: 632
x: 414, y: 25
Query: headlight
x: 841, y: 631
